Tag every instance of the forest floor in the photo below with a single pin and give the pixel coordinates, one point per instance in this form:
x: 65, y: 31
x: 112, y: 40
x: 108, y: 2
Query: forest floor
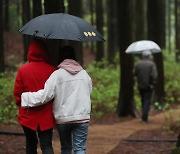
x: 106, y: 136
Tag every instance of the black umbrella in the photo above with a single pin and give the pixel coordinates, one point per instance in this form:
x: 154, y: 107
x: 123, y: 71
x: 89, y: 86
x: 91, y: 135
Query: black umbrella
x: 61, y: 26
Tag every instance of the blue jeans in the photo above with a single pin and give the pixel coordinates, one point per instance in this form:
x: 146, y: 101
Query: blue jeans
x: 45, y: 138
x: 73, y: 136
x: 146, y: 95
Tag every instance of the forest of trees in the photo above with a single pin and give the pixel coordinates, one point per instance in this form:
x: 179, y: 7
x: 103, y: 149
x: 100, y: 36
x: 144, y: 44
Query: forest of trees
x: 121, y: 22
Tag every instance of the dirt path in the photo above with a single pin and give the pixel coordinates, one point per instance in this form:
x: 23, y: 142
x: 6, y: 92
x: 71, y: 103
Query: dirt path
x: 103, y: 138
x: 104, y: 135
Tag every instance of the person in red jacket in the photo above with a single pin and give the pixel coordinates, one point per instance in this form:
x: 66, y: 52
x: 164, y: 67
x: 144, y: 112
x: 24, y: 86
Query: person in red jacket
x: 37, y: 122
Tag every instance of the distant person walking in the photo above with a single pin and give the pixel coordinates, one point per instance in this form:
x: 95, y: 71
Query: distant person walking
x: 37, y: 122
x: 146, y: 73
x: 70, y: 86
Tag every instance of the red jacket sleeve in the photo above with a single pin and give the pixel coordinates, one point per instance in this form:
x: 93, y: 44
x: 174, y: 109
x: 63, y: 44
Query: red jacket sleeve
x: 18, y: 88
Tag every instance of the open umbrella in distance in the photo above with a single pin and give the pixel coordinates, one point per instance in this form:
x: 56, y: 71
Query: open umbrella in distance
x: 140, y: 46
x: 61, y: 26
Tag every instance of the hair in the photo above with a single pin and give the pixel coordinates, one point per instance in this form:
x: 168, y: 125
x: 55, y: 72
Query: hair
x: 146, y: 54
x: 67, y: 52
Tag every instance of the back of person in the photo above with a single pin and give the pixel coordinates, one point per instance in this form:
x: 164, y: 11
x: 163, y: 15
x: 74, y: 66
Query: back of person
x: 31, y: 77
x: 75, y: 104
x: 73, y: 100
x: 144, y: 73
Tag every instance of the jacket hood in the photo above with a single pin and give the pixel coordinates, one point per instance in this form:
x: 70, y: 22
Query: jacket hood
x: 37, y: 52
x: 71, y: 66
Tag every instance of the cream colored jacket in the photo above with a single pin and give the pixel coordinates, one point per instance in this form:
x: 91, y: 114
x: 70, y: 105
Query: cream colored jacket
x: 71, y: 94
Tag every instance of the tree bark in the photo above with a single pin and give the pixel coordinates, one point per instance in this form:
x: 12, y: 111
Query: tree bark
x: 99, y: 24
x: 6, y: 16
x: 75, y: 8
x: 125, y: 103
x: 112, y: 29
x: 26, y: 16
x: 177, y: 16
x: 141, y: 22
x: 156, y: 32
x: 37, y: 8
x: 2, y: 65
x: 18, y: 9
x: 92, y: 22
x: 55, y: 6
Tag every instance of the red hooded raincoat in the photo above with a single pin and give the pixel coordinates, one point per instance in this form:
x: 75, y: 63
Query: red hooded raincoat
x: 31, y: 77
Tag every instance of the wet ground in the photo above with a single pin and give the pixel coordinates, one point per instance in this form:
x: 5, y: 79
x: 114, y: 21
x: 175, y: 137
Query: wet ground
x: 106, y: 136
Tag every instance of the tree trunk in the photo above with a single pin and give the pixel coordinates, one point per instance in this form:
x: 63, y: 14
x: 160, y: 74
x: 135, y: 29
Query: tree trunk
x: 37, y: 8
x: 125, y: 104
x: 75, y: 8
x: 6, y: 15
x: 168, y: 23
x: 18, y: 10
x: 112, y: 29
x: 177, y: 16
x: 141, y: 23
x: 55, y: 6
x: 156, y: 32
x: 2, y: 65
x: 26, y: 16
x: 92, y: 22
x: 99, y: 24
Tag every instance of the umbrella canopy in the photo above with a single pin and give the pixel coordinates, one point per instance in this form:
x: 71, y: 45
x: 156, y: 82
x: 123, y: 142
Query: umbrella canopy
x: 61, y: 26
x: 140, y: 46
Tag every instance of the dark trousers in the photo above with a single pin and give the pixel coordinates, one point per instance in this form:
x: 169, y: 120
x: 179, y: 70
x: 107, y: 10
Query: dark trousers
x: 45, y: 138
x: 146, y: 95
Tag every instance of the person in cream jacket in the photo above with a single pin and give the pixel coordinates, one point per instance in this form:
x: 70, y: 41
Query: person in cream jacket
x: 70, y: 86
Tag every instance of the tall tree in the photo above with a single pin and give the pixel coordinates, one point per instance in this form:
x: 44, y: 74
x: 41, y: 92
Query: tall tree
x: 112, y: 29
x: 140, y: 19
x: 18, y: 10
x: 6, y: 15
x: 26, y: 16
x: 2, y: 65
x: 99, y: 24
x: 156, y: 32
x: 168, y: 23
x: 55, y: 6
x: 75, y: 8
x: 125, y: 103
x: 91, y: 4
x: 37, y: 8
x: 177, y: 16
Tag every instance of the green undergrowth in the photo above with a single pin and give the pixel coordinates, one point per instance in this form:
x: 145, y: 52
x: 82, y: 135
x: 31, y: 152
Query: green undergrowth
x: 8, y: 109
x: 106, y: 82
x: 105, y: 78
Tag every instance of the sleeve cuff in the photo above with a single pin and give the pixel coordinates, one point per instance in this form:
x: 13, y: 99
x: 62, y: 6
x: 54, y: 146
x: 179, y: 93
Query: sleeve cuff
x: 24, y: 99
